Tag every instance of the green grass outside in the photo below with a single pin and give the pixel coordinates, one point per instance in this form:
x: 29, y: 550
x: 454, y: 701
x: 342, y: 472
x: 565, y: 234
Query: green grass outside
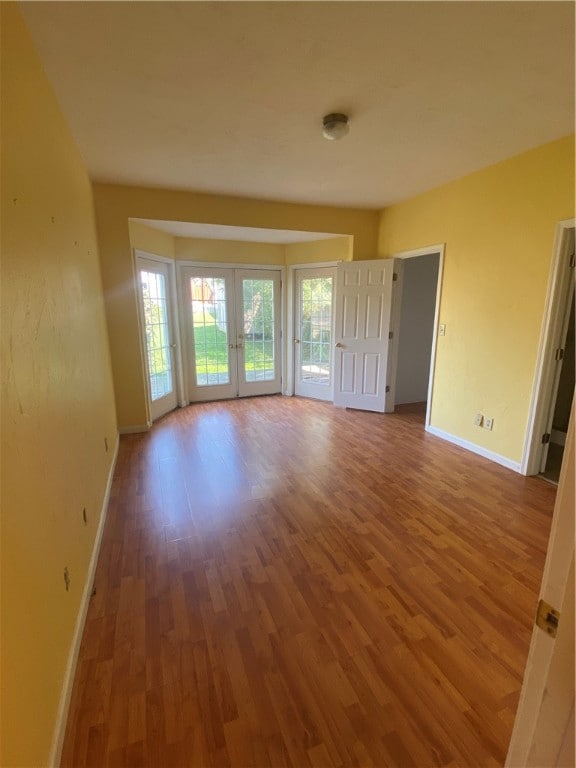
x: 212, y: 351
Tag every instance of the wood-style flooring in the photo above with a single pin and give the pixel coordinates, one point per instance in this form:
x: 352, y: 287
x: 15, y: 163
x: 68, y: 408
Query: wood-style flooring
x: 285, y: 583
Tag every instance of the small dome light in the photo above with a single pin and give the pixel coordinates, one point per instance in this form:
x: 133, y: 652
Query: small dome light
x: 335, y: 126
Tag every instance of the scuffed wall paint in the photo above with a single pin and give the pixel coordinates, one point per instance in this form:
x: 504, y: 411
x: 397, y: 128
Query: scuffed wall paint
x: 57, y: 397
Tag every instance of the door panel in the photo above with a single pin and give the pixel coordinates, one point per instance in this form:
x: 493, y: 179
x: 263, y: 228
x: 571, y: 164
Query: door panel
x: 363, y: 306
x: 258, y: 332
x: 314, y: 331
x: 208, y: 303
x: 157, y: 319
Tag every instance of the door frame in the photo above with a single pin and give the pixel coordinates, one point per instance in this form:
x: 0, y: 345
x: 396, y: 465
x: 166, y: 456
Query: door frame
x: 290, y: 385
x: 181, y: 264
x: 175, y: 322
x: 555, y: 308
x: 395, y: 325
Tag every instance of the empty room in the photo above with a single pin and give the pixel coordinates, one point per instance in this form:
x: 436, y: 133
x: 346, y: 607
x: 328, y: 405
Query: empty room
x: 287, y: 384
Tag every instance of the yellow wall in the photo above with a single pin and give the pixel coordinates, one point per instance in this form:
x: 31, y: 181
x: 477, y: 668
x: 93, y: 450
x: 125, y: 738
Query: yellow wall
x: 57, y: 398
x: 115, y: 204
x: 151, y: 240
x: 499, y: 226
x: 229, y: 251
x: 334, y: 249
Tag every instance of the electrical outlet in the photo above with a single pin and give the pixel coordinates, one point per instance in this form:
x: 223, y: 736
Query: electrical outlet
x: 479, y: 418
x: 442, y: 329
x: 84, y: 516
x: 488, y: 423
x: 66, y: 578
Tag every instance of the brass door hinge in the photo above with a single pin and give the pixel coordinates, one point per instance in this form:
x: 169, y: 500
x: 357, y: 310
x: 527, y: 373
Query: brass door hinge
x: 547, y: 618
x: 546, y: 438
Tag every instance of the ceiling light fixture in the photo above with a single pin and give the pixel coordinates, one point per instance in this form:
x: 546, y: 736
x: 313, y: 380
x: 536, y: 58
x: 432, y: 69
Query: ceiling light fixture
x: 335, y: 126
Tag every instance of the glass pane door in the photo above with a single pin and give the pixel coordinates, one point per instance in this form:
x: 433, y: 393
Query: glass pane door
x: 258, y: 331
x: 314, y: 333
x: 156, y: 315
x: 212, y: 359
x: 232, y: 332
x: 210, y: 331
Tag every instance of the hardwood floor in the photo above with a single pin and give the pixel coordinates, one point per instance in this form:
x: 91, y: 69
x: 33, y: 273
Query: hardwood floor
x: 284, y: 583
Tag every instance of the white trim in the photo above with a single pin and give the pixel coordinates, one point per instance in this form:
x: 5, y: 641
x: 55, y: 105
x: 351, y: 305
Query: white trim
x: 152, y: 256
x: 543, y: 377
x: 487, y: 454
x: 69, y: 674
x: 227, y: 265
x: 429, y: 251
x: 314, y: 265
x: 392, y: 364
x: 420, y: 252
x: 135, y: 429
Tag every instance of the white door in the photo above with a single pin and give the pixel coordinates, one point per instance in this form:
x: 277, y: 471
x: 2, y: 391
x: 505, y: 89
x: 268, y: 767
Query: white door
x: 363, y: 306
x: 314, y: 332
x: 258, y: 331
x: 543, y: 732
x: 232, y: 332
x: 155, y: 288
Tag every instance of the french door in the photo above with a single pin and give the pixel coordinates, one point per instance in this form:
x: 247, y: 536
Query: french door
x: 232, y: 332
x: 155, y: 289
x: 313, y: 333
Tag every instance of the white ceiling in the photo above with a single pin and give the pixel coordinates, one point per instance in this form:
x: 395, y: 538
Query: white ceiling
x: 224, y: 232
x: 228, y: 97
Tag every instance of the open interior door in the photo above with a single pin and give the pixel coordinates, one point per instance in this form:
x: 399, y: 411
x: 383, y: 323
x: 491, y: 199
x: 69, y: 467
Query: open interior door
x: 362, y: 308
x: 543, y: 732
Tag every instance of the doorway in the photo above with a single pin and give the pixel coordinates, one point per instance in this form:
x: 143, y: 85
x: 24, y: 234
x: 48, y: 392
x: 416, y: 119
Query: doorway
x: 232, y: 332
x: 313, y: 332
x: 414, y: 329
x: 553, y: 389
x: 155, y: 288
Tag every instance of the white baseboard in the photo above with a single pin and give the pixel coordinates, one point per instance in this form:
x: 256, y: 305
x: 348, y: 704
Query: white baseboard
x: 505, y: 462
x: 137, y: 428
x: 63, y: 706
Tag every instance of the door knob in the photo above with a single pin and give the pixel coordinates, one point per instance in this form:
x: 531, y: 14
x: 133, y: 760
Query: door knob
x: 296, y: 341
x: 339, y: 344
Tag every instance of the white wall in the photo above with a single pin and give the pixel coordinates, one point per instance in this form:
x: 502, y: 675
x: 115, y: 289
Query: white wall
x: 416, y: 327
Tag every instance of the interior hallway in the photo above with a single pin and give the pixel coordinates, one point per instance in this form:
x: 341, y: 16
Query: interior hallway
x: 282, y: 582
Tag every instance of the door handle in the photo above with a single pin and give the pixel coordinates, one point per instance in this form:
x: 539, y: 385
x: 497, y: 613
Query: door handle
x: 339, y: 344
x: 296, y: 341
x: 232, y: 346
